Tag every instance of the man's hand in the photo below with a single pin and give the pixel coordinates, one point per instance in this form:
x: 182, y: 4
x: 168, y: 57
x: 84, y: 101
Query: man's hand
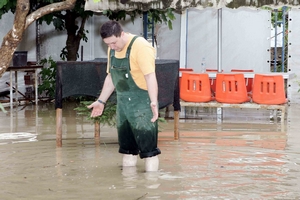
x: 97, y: 109
x: 154, y: 109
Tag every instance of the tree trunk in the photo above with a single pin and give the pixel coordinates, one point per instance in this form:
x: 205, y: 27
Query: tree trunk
x: 75, y: 34
x: 21, y: 23
x: 14, y: 36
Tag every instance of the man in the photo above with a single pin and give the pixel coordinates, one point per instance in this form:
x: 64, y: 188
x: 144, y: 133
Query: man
x: 131, y: 72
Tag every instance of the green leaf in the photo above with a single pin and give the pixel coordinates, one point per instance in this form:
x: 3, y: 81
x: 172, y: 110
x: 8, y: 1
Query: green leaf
x: 108, y: 116
x: 3, y: 3
x: 48, y: 19
x: 170, y: 14
x: 58, y: 23
x: 170, y: 25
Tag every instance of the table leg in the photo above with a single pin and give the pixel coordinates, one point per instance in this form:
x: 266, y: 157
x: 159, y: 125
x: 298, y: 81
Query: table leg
x: 282, y: 118
x: 219, y: 115
x: 58, y: 127
x: 11, y: 91
x: 97, y: 130
x: 176, y: 125
x: 16, y: 86
x: 36, y: 86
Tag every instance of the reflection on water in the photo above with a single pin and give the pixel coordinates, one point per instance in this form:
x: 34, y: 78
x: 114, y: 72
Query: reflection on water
x: 130, y: 177
x: 17, y: 137
x: 248, y: 157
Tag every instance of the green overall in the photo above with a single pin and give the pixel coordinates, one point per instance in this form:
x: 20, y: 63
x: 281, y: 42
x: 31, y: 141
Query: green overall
x: 136, y: 133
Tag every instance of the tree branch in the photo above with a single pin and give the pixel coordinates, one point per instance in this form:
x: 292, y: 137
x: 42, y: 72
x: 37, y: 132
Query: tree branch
x: 65, y: 5
x: 22, y: 10
x: 81, y: 29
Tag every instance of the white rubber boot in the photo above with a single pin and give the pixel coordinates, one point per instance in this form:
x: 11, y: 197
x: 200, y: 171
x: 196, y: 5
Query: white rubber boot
x: 129, y: 160
x: 151, y: 164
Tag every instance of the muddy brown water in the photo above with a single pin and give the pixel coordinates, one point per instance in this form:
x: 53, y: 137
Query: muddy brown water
x: 246, y: 156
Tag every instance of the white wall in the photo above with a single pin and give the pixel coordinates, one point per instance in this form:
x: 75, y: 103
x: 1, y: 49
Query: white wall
x: 245, y: 43
x: 294, y: 58
x: 168, y: 41
x: 51, y: 41
x: 201, y: 39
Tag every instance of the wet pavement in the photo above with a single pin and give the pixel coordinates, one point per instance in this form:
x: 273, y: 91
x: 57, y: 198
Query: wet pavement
x: 247, y: 156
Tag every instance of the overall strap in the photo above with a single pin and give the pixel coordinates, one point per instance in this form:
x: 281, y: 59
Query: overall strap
x: 129, y: 46
x: 112, y: 52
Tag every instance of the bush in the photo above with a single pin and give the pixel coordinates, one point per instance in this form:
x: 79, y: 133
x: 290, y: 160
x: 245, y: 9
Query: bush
x: 48, y: 75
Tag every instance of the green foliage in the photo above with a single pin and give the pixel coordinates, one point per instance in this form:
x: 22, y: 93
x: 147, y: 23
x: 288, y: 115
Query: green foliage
x: 6, y: 6
x: 158, y: 16
x: 48, y: 74
x: 119, y: 15
x: 108, y: 116
x: 59, y: 18
x: 278, y: 12
x: 84, y: 37
x: 58, y: 23
x: 64, y: 53
x: 161, y: 120
x: 3, y: 3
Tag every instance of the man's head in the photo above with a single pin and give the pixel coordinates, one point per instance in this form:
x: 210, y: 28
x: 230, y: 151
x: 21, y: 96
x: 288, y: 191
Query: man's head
x: 110, y: 28
x: 113, y: 35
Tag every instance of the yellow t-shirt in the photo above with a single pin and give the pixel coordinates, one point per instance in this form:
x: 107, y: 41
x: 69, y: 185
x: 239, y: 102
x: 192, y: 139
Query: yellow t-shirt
x: 142, y: 60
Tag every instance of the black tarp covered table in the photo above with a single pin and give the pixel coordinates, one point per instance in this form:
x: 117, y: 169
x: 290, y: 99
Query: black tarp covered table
x: 75, y: 78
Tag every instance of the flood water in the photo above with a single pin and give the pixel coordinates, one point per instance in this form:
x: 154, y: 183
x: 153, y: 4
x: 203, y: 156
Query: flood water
x: 246, y: 156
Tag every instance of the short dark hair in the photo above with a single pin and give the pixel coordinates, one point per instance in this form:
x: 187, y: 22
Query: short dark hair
x: 111, y: 28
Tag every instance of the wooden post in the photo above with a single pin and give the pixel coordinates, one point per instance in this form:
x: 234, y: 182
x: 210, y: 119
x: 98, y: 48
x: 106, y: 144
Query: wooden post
x: 97, y: 130
x: 59, y: 127
x: 176, y: 125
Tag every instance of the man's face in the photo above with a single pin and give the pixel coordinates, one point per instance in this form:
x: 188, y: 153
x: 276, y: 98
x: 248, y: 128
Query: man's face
x: 115, y: 43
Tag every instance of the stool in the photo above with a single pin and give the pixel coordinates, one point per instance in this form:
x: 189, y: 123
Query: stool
x: 184, y: 70
x: 195, y: 87
x: 268, y: 89
x: 231, y: 88
x: 248, y: 81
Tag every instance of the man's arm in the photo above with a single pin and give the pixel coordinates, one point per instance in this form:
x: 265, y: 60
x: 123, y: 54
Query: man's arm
x: 153, y: 94
x: 107, y: 90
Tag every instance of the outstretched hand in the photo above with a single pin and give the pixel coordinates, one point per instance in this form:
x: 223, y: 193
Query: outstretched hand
x: 97, y: 109
x: 154, y: 109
